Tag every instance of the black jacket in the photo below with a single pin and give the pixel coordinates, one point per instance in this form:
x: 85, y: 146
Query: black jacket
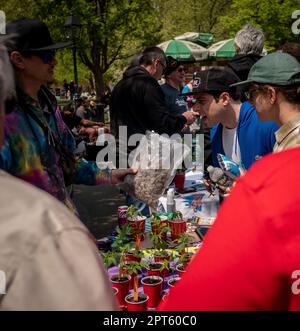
x: 138, y: 102
x: 241, y: 64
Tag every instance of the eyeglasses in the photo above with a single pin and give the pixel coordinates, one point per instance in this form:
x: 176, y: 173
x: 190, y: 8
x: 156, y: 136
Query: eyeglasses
x: 46, y: 56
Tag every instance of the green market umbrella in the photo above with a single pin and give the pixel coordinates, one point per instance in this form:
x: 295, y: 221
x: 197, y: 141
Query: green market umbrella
x: 183, y: 50
x: 224, y: 48
x: 200, y: 38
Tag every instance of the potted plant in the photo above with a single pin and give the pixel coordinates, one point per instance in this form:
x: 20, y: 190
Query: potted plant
x: 183, y: 251
x: 159, y: 227
x: 136, y: 301
x: 177, y: 225
x: 136, y: 221
x: 161, y: 255
x: 120, y: 280
x: 133, y: 255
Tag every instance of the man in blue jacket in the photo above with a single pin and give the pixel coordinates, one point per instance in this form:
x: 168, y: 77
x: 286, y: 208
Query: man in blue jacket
x: 235, y: 128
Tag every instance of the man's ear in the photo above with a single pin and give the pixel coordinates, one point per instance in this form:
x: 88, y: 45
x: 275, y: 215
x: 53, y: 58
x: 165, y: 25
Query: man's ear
x: 17, y: 60
x: 224, y: 98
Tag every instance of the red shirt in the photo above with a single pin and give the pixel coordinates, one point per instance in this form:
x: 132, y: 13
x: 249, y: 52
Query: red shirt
x: 249, y: 255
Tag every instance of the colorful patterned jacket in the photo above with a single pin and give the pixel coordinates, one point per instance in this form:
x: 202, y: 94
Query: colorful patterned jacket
x: 29, y: 152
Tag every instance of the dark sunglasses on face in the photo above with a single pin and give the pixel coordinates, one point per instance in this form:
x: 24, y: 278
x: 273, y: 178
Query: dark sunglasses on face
x: 181, y: 69
x: 46, y: 56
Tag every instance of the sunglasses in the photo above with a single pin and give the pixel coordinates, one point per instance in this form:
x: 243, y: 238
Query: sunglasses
x: 181, y: 69
x: 46, y: 56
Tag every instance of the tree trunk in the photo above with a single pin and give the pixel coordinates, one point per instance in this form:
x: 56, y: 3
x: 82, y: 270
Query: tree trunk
x: 99, y: 83
x: 91, y: 81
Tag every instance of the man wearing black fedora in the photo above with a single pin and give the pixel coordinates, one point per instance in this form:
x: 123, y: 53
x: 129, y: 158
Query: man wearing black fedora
x: 38, y: 146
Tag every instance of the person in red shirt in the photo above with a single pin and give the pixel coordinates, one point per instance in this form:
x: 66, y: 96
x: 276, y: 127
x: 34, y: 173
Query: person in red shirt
x: 250, y: 258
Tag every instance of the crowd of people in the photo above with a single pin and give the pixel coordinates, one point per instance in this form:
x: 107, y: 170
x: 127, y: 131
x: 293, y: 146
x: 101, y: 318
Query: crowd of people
x: 248, y: 109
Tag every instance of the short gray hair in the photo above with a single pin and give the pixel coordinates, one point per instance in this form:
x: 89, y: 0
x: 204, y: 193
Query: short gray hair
x: 250, y: 40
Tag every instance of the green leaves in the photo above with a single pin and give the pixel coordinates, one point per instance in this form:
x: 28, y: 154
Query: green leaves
x: 273, y: 17
x: 109, y: 259
x: 177, y: 215
x: 132, y: 212
x: 133, y: 267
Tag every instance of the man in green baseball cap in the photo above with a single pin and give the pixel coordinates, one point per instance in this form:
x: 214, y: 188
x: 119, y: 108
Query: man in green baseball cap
x: 274, y: 91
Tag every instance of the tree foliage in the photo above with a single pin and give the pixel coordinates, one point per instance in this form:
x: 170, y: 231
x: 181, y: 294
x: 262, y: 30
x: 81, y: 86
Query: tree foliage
x: 114, y: 30
x: 191, y: 15
x: 274, y: 17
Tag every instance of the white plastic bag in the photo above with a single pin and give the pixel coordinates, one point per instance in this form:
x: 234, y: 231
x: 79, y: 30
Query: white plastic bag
x: 157, y: 158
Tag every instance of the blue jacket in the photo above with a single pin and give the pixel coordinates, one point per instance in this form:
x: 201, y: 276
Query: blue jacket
x: 255, y: 138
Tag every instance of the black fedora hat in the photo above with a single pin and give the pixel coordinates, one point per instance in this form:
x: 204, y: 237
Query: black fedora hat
x: 30, y: 35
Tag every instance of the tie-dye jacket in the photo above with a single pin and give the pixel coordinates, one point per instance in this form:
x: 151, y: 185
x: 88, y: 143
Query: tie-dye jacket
x: 26, y: 145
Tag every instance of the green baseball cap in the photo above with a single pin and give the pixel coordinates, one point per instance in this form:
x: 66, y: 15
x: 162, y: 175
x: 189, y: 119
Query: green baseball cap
x: 275, y: 68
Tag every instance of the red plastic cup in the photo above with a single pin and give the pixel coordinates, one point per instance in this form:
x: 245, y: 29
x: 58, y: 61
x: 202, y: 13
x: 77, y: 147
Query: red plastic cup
x: 155, y: 270
x: 122, y: 215
x: 177, y: 227
x: 141, y: 305
x: 181, y: 271
x: 152, y: 290
x: 165, y: 272
x: 131, y: 258
x: 122, y: 286
x: 115, y: 290
x: 179, y: 181
x: 138, y: 227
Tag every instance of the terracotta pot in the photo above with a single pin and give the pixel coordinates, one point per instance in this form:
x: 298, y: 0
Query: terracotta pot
x: 152, y: 286
x: 122, y: 286
x: 154, y: 269
x: 179, y: 181
x: 138, y: 227
x: 177, y: 226
x: 140, y: 305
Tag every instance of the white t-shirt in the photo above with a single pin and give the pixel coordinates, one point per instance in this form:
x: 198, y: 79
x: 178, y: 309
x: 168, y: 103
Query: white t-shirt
x: 231, y: 144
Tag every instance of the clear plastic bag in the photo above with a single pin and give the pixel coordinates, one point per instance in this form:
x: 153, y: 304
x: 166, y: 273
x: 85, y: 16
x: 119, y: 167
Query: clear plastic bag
x: 157, y: 158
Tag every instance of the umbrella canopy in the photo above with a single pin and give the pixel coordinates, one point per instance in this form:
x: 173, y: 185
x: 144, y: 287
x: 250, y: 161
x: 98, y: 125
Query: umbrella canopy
x: 183, y: 50
x: 200, y: 38
x: 224, y: 48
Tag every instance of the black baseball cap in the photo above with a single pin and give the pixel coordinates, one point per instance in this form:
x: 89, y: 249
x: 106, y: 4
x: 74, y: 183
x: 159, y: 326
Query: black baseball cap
x: 213, y: 80
x: 172, y: 65
x: 30, y: 35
